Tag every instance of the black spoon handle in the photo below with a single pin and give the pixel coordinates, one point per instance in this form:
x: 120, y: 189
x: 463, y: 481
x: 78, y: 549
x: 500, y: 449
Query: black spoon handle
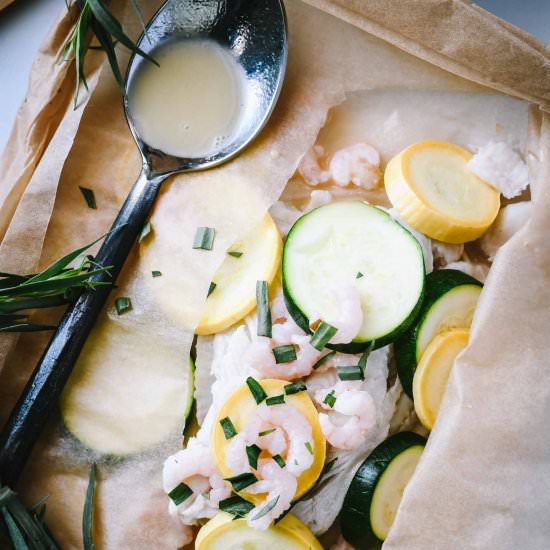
x: 41, y: 394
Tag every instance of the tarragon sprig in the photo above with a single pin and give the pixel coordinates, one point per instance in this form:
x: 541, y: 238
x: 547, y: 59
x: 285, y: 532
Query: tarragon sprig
x: 97, y: 20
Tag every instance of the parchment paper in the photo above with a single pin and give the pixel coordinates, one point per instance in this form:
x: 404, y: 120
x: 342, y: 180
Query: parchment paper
x: 441, y: 509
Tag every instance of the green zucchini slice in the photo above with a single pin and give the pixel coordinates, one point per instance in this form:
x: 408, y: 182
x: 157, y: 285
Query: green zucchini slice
x: 376, y: 490
x: 361, y: 244
x: 449, y: 302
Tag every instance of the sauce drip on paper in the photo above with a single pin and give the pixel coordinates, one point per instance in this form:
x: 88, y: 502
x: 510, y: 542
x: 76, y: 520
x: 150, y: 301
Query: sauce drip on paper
x: 190, y: 106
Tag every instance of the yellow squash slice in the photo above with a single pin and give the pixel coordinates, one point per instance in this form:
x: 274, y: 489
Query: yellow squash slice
x: 223, y: 532
x: 433, y: 190
x: 255, y: 258
x: 432, y: 373
x: 240, y: 406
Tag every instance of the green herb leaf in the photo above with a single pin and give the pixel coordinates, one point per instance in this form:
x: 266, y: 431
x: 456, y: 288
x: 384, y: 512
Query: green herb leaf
x: 235, y: 253
x: 330, y: 399
x: 180, y: 493
x: 295, y: 387
x: 253, y: 452
x: 267, y: 508
x: 359, y: 275
x: 322, y: 335
x: 89, y: 197
x: 256, y: 390
x: 242, y: 481
x: 236, y: 506
x: 309, y: 447
x: 156, y: 273
x: 263, y: 310
x: 267, y: 432
x: 88, y: 514
x: 323, y: 360
x: 211, y: 288
x: 284, y: 354
x: 123, y: 305
x: 350, y: 373
x: 228, y: 428
x: 275, y: 400
x: 327, y: 467
x: 145, y: 230
x: 365, y: 357
x: 204, y: 238
x: 17, y: 538
x: 279, y: 460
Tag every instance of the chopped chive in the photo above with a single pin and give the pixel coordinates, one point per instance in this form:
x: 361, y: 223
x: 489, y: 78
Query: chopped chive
x: 235, y: 253
x: 256, y: 390
x: 330, y: 399
x: 284, y: 354
x: 242, y: 481
x: 323, y: 360
x: 88, y: 513
x: 267, y: 432
x: 145, y: 231
x: 279, y: 460
x: 322, y: 335
x: 275, y: 400
x: 89, y: 197
x: 211, y: 288
x: 204, y: 238
x: 309, y: 447
x: 266, y: 509
x: 253, y: 452
x: 263, y: 310
x: 156, y: 273
x: 236, y: 506
x: 359, y: 275
x: 350, y: 373
x: 295, y: 387
x: 123, y: 305
x: 364, y: 358
x: 180, y: 493
x: 228, y: 428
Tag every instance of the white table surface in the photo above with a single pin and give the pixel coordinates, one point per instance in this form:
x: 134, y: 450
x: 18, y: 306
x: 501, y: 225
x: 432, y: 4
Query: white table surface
x: 24, y: 25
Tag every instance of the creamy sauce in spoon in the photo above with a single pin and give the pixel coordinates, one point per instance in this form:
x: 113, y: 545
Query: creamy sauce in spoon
x: 190, y: 105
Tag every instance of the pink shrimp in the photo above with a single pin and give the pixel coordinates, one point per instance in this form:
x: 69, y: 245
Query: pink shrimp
x: 310, y: 168
x: 358, y: 164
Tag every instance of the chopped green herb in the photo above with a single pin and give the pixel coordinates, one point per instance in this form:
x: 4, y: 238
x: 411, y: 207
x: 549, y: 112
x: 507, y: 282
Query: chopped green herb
x: 123, y: 305
x: 309, y: 447
x: 145, y: 231
x: 89, y: 197
x: 211, y: 288
x: 323, y: 360
x: 328, y: 467
x: 228, y: 428
x: 88, y: 514
x: 279, y: 460
x: 156, y: 273
x: 204, y: 238
x: 322, y: 335
x: 235, y: 253
x: 267, y: 432
x: 242, y: 481
x: 350, y: 373
x: 262, y: 309
x: 256, y: 390
x: 275, y: 400
x: 295, y: 387
x: 236, y: 506
x: 180, y: 493
x: 253, y: 452
x: 359, y: 275
x: 330, y: 399
x: 364, y: 358
x: 267, y: 508
x: 284, y: 354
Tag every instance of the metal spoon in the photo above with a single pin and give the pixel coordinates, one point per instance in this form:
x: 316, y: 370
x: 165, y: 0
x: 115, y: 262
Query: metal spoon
x: 254, y: 31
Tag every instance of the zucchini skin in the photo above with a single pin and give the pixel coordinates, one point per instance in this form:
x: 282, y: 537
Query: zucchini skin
x: 437, y: 284
x: 355, y: 515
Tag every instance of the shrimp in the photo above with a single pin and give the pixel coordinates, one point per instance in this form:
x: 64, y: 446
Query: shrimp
x: 195, y: 467
x: 352, y: 416
x: 349, y: 319
x: 310, y: 168
x: 280, y: 486
x: 358, y: 164
x: 290, y: 438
